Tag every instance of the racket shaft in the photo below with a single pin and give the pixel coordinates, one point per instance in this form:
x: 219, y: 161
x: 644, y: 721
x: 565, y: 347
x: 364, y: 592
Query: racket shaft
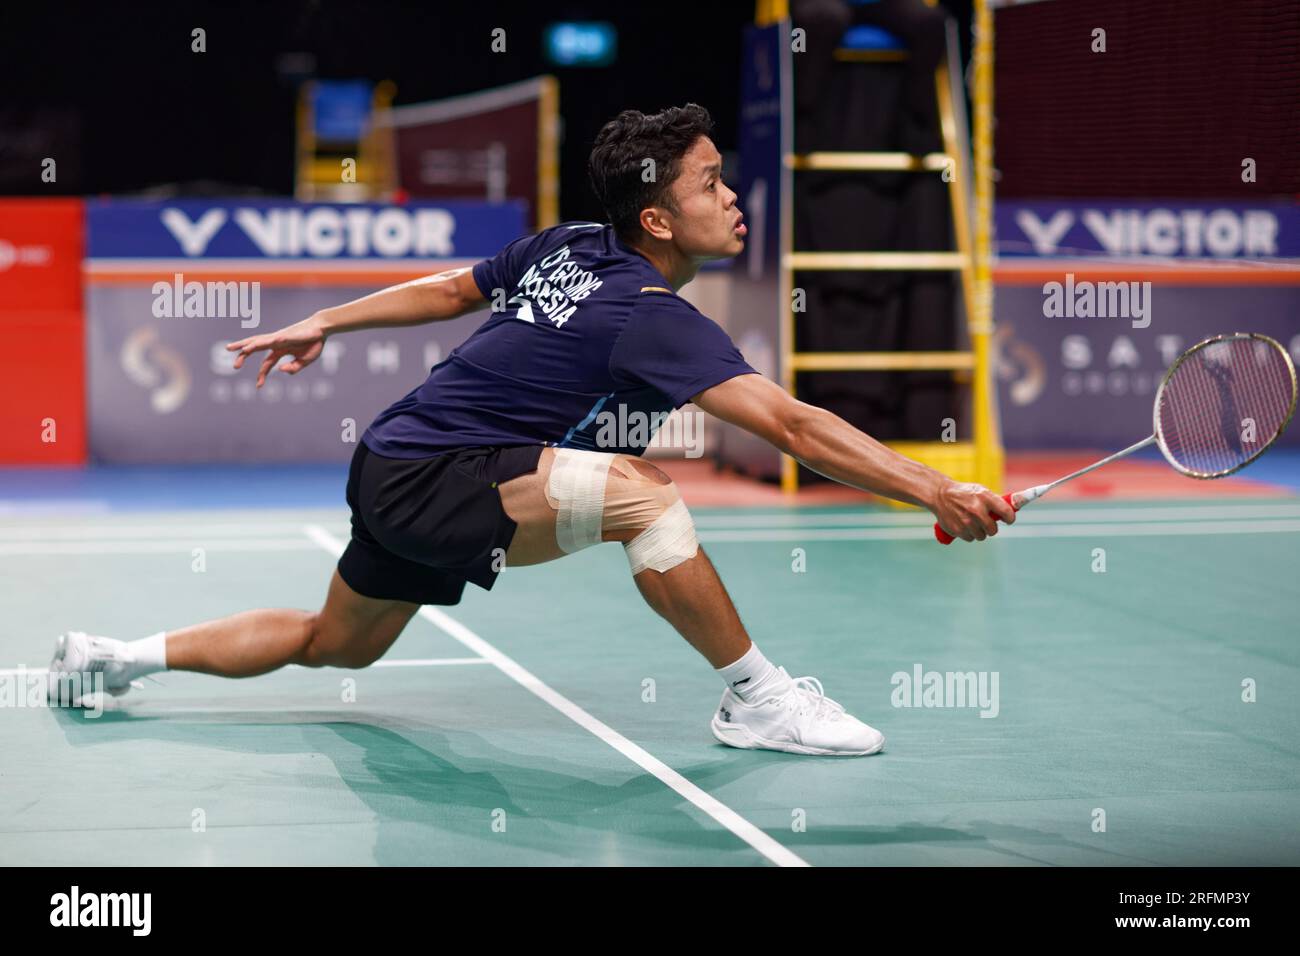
x: 1095, y: 465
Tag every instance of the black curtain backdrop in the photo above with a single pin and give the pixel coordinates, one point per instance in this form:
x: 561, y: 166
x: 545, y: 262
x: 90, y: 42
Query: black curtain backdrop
x: 115, y: 90
x: 860, y: 106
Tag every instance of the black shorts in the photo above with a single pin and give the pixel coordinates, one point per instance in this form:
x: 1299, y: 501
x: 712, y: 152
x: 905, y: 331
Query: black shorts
x: 422, y: 527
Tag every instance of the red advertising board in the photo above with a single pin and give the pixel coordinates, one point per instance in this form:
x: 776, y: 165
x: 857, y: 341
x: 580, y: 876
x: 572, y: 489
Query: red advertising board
x: 43, y: 388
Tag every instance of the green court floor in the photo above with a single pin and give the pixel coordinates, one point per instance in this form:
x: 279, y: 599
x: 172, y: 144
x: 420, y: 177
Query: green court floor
x: 558, y: 720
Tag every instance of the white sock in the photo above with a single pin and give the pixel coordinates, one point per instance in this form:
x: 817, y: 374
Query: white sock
x: 150, y: 654
x: 750, y: 676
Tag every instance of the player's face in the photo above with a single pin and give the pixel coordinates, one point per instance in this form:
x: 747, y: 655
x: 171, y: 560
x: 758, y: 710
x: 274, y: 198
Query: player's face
x: 708, y: 225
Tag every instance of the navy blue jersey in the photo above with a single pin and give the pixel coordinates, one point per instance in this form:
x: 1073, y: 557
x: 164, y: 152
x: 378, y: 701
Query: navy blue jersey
x: 590, y: 335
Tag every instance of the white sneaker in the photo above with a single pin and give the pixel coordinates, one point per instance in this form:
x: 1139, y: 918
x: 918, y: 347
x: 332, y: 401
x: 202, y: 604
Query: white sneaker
x: 798, y: 718
x: 85, y: 654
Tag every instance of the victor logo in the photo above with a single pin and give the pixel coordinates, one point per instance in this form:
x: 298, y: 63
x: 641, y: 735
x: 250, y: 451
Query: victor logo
x: 320, y: 231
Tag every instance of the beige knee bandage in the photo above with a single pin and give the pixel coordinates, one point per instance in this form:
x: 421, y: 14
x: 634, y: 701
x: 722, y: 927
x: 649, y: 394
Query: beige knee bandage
x: 666, y: 543
x: 593, y: 492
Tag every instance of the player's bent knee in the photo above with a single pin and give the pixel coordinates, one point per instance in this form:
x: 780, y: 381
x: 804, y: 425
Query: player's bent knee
x: 327, y: 647
x: 312, y: 651
x: 595, y: 493
x: 351, y: 658
x: 667, y: 542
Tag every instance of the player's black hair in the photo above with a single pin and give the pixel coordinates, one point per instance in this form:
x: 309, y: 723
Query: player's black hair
x: 617, y: 163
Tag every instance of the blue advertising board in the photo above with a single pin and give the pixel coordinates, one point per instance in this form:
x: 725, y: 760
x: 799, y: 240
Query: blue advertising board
x: 1096, y: 299
x: 1123, y: 230
x: 169, y: 284
x: 289, y: 230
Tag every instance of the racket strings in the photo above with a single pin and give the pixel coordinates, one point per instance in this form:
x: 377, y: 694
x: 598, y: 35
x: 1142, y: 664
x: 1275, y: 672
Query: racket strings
x: 1224, y: 404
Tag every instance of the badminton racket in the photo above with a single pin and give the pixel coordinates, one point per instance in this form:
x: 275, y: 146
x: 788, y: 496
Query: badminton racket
x: 1219, y: 407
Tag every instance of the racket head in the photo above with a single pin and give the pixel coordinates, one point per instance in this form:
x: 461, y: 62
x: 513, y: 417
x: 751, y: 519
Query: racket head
x: 1204, y: 400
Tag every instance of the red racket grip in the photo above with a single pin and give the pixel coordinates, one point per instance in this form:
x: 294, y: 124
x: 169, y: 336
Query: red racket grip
x: 944, y: 537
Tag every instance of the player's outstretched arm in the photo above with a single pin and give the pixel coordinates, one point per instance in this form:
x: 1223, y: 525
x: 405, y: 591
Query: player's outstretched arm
x: 446, y: 295
x: 830, y: 446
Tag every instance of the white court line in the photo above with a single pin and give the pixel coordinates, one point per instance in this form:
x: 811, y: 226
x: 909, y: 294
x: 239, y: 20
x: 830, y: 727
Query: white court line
x: 428, y: 661
x: 402, y: 662
x: 1028, y: 530
x: 914, y: 532
x: 60, y: 508
x: 152, y: 547
x: 911, y: 532
x: 1065, y: 515
x: 84, y: 535
x: 719, y: 811
x: 81, y: 532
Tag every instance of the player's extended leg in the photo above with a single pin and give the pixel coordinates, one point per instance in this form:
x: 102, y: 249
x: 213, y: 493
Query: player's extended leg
x: 580, y: 498
x: 349, y: 631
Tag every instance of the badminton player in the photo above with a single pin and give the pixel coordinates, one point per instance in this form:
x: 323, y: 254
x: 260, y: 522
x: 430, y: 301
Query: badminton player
x: 500, y: 459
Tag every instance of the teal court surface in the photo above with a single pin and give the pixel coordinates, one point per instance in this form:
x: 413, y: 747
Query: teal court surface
x: 1144, y: 714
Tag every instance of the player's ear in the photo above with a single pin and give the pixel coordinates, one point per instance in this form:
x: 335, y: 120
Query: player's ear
x: 655, y: 222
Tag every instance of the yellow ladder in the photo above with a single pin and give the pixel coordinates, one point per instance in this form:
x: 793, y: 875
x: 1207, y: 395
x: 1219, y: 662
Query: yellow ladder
x: 981, y: 458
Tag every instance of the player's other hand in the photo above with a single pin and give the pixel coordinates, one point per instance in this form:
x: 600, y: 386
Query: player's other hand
x: 969, y: 511
x: 303, y: 340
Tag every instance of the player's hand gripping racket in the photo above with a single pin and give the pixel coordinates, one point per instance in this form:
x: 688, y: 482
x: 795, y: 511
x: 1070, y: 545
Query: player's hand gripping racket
x: 1219, y: 407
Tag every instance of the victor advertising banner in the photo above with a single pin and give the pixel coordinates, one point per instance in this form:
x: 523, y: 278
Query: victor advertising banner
x: 169, y: 284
